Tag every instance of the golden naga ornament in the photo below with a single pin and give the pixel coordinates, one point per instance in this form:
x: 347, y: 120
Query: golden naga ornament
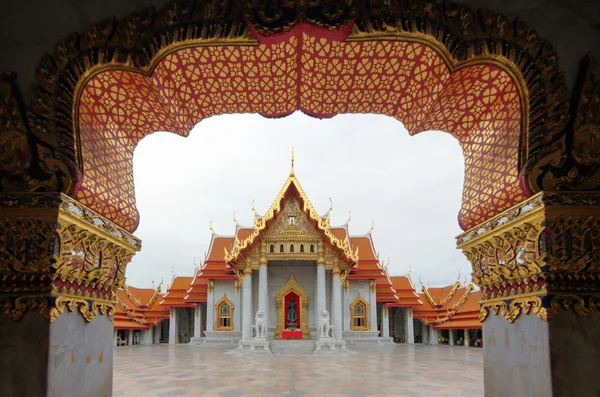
x: 61, y: 255
x: 540, y: 256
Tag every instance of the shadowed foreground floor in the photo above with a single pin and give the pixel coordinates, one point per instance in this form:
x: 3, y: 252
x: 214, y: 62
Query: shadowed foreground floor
x: 397, y: 370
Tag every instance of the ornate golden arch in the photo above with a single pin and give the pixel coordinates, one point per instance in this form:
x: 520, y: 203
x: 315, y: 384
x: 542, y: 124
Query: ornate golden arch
x: 359, y: 300
x: 224, y: 300
x: 290, y: 286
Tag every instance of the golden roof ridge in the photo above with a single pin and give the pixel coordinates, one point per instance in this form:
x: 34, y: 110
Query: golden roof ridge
x: 261, y: 223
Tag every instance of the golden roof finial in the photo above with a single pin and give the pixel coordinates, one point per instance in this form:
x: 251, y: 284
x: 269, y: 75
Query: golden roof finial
x: 235, y: 220
x: 349, y: 218
x: 211, y: 228
x: 458, y: 279
x: 254, y: 210
x: 330, y: 207
x: 292, y: 173
x: 409, y: 269
x: 173, y: 270
x: 372, y: 227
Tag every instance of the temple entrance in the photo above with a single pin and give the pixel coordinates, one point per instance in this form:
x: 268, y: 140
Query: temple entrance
x: 292, y: 311
x: 531, y: 191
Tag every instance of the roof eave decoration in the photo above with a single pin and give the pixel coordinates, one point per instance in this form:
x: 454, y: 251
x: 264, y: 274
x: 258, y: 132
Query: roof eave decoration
x: 457, y: 306
x: 260, y: 224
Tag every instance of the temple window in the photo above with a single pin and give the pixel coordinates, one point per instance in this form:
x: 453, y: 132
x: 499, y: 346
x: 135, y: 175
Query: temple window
x: 292, y: 221
x: 312, y: 249
x: 281, y: 249
x: 292, y: 248
x: 302, y: 248
x: 271, y: 249
x: 359, y: 309
x: 224, y: 310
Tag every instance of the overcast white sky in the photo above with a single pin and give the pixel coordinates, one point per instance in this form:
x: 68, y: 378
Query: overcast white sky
x: 369, y: 165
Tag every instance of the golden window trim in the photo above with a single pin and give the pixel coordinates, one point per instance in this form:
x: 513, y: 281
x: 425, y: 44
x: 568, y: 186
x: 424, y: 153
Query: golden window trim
x: 359, y: 300
x: 217, y: 325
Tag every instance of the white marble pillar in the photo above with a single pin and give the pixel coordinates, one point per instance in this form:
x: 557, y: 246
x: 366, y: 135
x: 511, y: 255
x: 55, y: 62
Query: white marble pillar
x: 373, y: 305
x: 156, y: 334
x: 198, y: 321
x: 336, y: 304
x: 247, y: 304
x: 263, y: 289
x: 210, y: 307
x: 409, y: 326
x: 130, y: 338
x: 385, y: 321
x: 173, y: 327
x: 321, y: 305
x: 433, y: 340
x: 467, y: 338
x: 115, y: 337
x: 451, y: 337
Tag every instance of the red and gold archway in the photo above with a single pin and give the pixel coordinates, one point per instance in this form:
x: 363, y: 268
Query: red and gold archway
x: 489, y: 82
x: 321, y: 74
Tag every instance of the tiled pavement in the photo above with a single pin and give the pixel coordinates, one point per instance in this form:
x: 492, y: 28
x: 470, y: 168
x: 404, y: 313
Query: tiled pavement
x: 399, y: 370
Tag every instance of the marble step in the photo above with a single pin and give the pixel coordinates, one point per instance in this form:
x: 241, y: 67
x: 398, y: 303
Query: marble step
x: 292, y: 347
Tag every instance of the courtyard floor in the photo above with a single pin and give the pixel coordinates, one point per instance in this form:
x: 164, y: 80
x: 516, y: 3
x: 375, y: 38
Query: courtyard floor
x: 398, y: 370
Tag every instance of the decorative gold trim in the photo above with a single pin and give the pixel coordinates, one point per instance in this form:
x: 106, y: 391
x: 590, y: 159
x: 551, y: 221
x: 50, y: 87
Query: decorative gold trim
x: 16, y: 309
x: 223, y: 301
x: 514, y: 308
x: 359, y: 300
x: 88, y: 308
x: 64, y: 253
x: 260, y: 224
x: 292, y: 285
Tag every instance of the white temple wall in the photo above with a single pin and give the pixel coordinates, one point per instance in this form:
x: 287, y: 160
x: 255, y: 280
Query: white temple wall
x: 222, y: 287
x: 305, y: 273
x: 348, y: 297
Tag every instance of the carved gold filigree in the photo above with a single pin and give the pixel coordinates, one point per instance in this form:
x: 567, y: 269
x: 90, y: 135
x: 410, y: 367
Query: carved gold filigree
x: 88, y: 308
x: 582, y: 306
x: 572, y: 160
x: 551, y: 251
x: 62, y: 251
x: 16, y: 307
x: 307, y: 210
x: 142, y: 39
x: 514, y: 308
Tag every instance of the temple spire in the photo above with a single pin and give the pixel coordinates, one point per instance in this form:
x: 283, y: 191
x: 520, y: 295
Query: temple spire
x: 292, y: 173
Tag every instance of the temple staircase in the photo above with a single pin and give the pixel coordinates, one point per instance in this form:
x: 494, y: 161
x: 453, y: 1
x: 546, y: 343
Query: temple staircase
x: 292, y: 347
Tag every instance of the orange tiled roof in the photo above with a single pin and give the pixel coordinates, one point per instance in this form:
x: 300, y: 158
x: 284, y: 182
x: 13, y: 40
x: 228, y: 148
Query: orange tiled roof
x: 176, y: 293
x: 217, y: 248
x: 450, y: 307
x: 407, y: 297
x: 197, y: 292
x: 138, y: 308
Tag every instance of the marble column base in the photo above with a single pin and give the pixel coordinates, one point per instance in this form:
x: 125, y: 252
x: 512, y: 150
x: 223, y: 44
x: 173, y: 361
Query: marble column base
x: 68, y: 357
x: 325, y: 343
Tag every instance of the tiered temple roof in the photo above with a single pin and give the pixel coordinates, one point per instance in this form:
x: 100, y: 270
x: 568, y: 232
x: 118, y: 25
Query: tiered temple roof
x: 139, y: 308
x: 451, y: 307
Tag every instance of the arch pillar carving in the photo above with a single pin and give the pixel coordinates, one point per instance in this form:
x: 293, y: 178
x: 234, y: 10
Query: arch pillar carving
x: 60, y: 266
x: 538, y: 266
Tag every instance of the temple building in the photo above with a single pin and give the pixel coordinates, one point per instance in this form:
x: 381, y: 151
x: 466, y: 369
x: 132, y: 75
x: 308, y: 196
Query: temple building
x: 449, y: 315
x: 139, y: 317
x: 295, y: 276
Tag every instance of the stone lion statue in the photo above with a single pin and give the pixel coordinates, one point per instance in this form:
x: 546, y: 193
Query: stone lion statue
x: 325, y: 324
x: 260, y: 324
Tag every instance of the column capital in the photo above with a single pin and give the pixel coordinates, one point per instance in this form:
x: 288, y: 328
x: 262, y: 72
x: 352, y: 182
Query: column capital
x: 247, y: 270
x: 262, y: 261
x: 60, y: 255
x: 538, y: 257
